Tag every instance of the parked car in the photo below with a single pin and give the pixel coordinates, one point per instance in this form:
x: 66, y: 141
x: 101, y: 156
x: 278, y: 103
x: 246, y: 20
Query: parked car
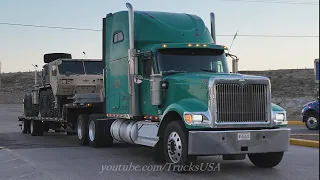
x: 310, y: 115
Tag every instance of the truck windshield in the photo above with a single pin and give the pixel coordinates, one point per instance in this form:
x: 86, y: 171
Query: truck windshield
x: 81, y: 67
x: 71, y: 67
x: 93, y: 67
x: 192, y: 60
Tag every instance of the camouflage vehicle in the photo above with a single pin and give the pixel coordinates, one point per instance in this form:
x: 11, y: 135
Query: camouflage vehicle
x: 63, y: 81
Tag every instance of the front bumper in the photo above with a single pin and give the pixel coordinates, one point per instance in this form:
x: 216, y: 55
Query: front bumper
x: 226, y: 142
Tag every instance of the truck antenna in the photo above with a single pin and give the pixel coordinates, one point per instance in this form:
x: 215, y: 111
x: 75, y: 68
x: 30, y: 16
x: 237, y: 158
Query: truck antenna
x: 234, y: 37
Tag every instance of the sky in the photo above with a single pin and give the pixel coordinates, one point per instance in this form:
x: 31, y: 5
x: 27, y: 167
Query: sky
x: 20, y: 47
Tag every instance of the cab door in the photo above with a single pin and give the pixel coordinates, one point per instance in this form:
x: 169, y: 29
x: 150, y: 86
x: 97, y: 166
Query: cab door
x: 145, y: 105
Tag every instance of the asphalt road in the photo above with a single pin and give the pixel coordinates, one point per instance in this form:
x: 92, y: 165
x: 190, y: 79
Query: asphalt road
x: 302, y: 132
x: 57, y: 156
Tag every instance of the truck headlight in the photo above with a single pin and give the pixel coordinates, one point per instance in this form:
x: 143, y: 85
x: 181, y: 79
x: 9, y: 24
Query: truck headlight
x: 197, y: 118
x: 280, y: 117
x: 66, y: 81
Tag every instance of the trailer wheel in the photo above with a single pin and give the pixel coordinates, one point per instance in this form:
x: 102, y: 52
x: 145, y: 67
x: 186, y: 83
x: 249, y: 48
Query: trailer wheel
x: 40, y: 128
x: 33, y: 128
x: 266, y: 160
x: 176, y: 147
x: 82, y: 129
x: 25, y: 126
x: 98, y: 137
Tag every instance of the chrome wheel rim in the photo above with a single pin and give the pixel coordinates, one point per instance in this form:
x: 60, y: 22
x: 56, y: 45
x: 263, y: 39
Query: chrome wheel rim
x: 312, y: 122
x: 79, y: 130
x: 174, y: 146
x: 22, y: 125
x: 91, y: 131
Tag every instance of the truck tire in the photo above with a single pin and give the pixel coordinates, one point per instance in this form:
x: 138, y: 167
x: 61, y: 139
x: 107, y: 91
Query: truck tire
x: 47, y: 58
x: 36, y: 128
x: 266, y: 160
x: 312, y: 121
x: 25, y: 126
x: 28, y: 105
x: 51, y: 110
x: 35, y: 110
x: 25, y: 105
x: 176, y: 147
x: 82, y: 129
x: 158, y: 152
x: 98, y: 136
x: 43, y: 104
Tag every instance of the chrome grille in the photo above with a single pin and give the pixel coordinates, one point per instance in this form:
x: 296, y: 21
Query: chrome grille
x: 237, y: 103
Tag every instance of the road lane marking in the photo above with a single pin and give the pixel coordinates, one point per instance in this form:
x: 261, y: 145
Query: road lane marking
x: 295, y: 122
x: 304, y: 134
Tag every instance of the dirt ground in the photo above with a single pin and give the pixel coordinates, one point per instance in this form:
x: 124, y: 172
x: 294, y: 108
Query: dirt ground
x: 291, y: 88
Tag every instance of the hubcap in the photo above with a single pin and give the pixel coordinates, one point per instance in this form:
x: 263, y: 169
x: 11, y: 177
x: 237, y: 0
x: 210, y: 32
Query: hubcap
x: 79, y: 130
x: 174, y: 147
x: 92, y: 131
x: 312, y: 122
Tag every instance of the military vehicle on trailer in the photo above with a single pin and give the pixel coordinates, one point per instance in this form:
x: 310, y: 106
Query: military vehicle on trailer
x: 63, y: 80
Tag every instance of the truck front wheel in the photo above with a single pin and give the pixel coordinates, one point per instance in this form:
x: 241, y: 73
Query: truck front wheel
x: 176, y: 147
x: 266, y: 160
x: 82, y: 129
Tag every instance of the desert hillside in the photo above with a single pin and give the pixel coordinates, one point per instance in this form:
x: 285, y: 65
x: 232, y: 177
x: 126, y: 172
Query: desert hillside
x: 291, y: 88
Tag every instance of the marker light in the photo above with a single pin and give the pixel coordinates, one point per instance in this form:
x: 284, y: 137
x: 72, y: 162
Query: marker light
x: 197, y: 45
x: 204, y: 45
x: 188, y: 118
x: 164, y: 45
x: 189, y: 45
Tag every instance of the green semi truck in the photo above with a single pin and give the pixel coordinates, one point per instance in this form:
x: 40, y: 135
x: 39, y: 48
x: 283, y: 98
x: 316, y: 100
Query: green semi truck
x: 167, y: 85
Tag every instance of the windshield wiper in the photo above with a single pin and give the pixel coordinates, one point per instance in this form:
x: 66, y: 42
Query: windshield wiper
x: 209, y: 70
x: 172, y: 72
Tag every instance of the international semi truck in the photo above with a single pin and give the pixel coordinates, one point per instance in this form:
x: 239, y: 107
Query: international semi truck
x: 167, y: 85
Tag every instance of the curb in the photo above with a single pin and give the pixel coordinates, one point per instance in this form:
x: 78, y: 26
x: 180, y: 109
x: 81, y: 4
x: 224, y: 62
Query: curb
x: 306, y: 143
x: 295, y: 123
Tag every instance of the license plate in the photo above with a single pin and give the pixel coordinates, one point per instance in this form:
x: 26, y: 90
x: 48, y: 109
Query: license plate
x: 244, y: 136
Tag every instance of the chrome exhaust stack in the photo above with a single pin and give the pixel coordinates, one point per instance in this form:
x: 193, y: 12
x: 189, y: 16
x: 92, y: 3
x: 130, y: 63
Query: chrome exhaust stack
x: 133, y: 67
x: 213, y: 28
